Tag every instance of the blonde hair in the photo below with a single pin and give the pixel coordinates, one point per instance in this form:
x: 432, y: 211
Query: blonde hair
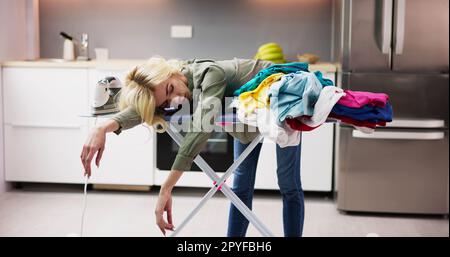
x: 139, y: 85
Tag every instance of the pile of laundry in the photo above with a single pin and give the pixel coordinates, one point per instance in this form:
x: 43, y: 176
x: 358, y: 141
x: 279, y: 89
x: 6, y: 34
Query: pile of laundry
x: 285, y: 99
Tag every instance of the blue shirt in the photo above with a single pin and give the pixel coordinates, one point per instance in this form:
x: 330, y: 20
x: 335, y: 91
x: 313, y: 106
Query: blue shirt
x: 294, y: 96
x: 324, y: 81
x: 285, y: 68
x: 368, y: 112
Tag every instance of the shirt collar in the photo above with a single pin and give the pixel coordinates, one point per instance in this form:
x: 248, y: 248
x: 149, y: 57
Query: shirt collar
x: 186, y: 71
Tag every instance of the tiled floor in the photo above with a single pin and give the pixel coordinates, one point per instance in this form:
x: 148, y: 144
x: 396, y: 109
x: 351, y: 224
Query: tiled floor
x: 38, y: 210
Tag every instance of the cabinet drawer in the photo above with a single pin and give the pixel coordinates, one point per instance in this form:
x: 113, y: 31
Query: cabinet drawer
x: 39, y: 154
x: 316, y: 168
x: 46, y: 97
x: 128, y: 159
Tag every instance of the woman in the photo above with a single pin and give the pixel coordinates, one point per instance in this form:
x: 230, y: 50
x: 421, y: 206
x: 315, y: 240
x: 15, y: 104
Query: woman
x: 160, y: 83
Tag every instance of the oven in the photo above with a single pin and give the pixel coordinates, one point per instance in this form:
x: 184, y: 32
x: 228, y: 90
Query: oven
x: 218, y: 152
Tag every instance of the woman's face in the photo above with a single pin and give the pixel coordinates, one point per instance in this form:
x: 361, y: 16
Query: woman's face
x: 172, y: 92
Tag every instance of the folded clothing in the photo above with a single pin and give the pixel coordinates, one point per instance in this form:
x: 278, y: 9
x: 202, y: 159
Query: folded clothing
x: 358, y: 99
x: 296, y: 124
x: 294, y: 96
x: 258, y: 97
x: 368, y: 112
x: 322, y: 108
x: 324, y: 81
x: 285, y: 68
x: 359, y: 123
x: 264, y: 120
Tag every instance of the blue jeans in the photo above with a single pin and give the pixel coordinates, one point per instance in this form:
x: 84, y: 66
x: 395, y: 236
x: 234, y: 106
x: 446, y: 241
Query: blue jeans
x: 288, y: 172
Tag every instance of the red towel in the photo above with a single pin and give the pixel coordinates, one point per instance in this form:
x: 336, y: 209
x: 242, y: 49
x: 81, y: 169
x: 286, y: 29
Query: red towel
x: 298, y: 125
x: 357, y: 122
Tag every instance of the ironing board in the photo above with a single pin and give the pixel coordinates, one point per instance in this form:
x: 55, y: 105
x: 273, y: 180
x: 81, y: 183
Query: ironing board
x: 219, y: 183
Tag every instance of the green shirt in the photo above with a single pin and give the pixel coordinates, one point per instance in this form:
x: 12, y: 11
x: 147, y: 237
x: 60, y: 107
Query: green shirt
x: 213, y: 79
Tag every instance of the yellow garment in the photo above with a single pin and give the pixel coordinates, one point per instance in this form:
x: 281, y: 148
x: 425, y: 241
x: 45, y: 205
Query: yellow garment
x: 258, y: 97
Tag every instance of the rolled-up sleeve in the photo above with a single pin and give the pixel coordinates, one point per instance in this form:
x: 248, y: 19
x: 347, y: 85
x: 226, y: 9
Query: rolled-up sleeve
x: 127, y: 118
x: 213, y: 89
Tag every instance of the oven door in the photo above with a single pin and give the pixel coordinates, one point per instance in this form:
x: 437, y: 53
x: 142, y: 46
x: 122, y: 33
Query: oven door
x: 218, y: 152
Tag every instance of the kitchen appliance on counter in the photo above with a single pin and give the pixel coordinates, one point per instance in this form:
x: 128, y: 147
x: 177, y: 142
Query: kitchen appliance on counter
x: 400, y: 48
x: 69, y: 47
x: 106, y: 96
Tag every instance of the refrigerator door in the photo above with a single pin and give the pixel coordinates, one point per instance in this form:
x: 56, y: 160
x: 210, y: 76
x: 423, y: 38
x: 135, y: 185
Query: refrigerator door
x: 362, y: 40
x: 420, y: 38
x: 413, y: 96
x: 393, y: 170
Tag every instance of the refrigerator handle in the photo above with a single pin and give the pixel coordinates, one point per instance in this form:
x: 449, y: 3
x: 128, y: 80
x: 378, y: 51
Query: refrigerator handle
x: 399, y: 40
x: 399, y: 135
x: 384, y: 30
x: 423, y: 123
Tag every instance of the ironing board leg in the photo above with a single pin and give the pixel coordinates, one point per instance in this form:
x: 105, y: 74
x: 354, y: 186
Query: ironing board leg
x: 219, y: 184
x: 205, y: 198
x: 251, y: 217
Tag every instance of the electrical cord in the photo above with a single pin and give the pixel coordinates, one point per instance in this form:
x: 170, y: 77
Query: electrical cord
x: 84, y: 204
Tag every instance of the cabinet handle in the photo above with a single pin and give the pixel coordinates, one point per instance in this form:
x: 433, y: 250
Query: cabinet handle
x: 404, y: 123
x: 25, y: 125
x: 399, y: 135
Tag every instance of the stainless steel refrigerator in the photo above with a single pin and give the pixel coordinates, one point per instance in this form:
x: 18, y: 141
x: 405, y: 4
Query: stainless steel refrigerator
x: 399, y: 47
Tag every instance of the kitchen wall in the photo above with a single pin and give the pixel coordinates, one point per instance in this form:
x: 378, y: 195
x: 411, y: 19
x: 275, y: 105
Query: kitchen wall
x: 221, y: 29
x: 3, y: 185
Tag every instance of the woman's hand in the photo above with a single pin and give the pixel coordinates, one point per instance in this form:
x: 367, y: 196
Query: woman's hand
x: 94, y: 143
x: 164, y: 204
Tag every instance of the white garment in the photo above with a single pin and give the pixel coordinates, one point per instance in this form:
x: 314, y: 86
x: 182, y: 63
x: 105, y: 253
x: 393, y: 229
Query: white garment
x: 364, y: 129
x: 234, y: 104
x: 328, y: 97
x: 265, y: 120
x: 247, y: 118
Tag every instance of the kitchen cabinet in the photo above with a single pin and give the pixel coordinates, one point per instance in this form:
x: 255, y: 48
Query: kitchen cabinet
x: 128, y: 159
x: 43, y: 134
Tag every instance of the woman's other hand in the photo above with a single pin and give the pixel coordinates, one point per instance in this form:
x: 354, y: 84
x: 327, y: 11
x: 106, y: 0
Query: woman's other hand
x: 95, y: 143
x: 164, y: 204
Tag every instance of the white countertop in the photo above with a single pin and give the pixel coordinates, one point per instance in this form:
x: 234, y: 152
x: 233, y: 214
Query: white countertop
x: 115, y: 64
x: 60, y: 63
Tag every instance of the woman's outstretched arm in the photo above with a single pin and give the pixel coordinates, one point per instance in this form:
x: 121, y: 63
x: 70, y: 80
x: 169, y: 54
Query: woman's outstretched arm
x: 171, y: 180
x: 125, y: 119
x: 164, y: 203
x: 95, y: 143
